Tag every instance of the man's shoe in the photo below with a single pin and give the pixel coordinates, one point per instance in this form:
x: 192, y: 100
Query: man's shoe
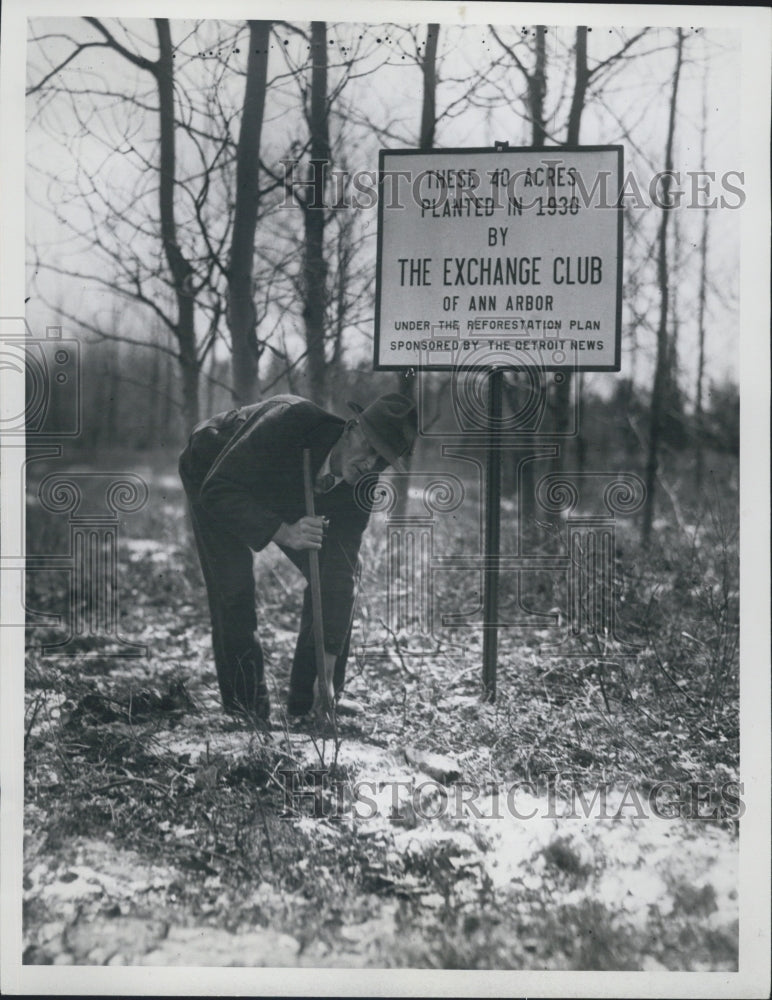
x: 297, y: 709
x: 349, y: 706
x: 299, y: 705
x: 259, y: 714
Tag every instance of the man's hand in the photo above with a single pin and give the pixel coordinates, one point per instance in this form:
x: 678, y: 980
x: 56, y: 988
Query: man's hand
x: 307, y: 533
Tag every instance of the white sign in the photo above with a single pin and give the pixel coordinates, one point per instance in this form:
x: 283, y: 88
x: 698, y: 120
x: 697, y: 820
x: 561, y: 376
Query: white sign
x: 497, y: 258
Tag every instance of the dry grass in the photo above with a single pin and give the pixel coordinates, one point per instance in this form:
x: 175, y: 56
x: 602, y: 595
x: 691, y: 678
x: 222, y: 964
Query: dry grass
x: 137, y: 754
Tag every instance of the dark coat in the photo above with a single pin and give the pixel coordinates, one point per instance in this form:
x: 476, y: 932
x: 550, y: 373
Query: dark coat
x: 244, y: 471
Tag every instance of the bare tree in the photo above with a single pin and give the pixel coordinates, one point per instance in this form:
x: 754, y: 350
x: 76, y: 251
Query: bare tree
x: 427, y: 62
x: 178, y: 282
x: 330, y: 294
x: 241, y: 312
x: 582, y: 76
x: 660, y: 374
x: 535, y: 79
x: 314, y: 217
x: 562, y: 396
x: 180, y: 268
x: 536, y: 93
x: 577, y: 82
x: 699, y: 416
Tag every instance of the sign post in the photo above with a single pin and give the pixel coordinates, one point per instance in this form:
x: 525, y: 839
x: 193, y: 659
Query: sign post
x: 498, y: 259
x: 492, y: 533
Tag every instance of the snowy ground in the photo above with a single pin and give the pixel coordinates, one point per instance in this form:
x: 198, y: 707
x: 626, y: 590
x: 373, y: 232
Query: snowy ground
x: 157, y: 832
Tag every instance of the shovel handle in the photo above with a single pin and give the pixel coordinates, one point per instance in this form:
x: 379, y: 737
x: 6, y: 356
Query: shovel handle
x: 325, y: 682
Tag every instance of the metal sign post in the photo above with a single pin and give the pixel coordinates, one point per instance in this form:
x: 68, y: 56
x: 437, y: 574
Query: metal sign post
x: 492, y: 526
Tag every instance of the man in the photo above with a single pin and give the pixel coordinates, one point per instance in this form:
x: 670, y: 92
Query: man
x: 243, y: 475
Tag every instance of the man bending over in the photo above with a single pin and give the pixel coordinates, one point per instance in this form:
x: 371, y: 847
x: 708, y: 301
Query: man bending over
x: 243, y: 475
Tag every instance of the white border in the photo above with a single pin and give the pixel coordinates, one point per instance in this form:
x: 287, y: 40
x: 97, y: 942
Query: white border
x: 753, y: 979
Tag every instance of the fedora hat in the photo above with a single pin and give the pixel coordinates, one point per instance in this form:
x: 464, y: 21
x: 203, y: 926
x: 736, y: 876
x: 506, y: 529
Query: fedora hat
x: 390, y: 425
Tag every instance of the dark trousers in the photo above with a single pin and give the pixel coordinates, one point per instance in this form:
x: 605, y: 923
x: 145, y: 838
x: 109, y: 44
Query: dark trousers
x: 303, y: 674
x: 227, y: 567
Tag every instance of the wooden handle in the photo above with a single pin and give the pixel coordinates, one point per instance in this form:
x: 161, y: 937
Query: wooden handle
x: 325, y: 682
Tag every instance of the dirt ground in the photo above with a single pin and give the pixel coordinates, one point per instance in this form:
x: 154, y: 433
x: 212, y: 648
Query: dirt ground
x: 436, y: 831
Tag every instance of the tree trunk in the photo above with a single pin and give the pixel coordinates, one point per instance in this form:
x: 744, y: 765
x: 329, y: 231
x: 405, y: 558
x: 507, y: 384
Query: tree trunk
x: 537, y: 93
x: 103, y: 396
x: 673, y: 410
x: 699, y: 419
x: 538, y: 87
x: 180, y: 269
x: 563, y: 386
x: 581, y: 79
x: 429, y: 103
x: 111, y: 417
x: 344, y: 255
x: 168, y: 394
x: 407, y: 378
x: 241, y: 313
x: 675, y: 326
x: 151, y: 424
x: 210, y: 384
x: 580, y: 439
x: 190, y: 370
x: 660, y: 373
x: 314, y: 265
x: 182, y: 272
x: 425, y: 143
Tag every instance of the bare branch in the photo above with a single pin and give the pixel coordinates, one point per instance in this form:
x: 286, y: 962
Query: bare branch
x: 65, y: 62
x: 617, y: 55
x: 113, y: 42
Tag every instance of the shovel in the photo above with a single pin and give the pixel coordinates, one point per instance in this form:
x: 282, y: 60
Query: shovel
x: 324, y: 685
